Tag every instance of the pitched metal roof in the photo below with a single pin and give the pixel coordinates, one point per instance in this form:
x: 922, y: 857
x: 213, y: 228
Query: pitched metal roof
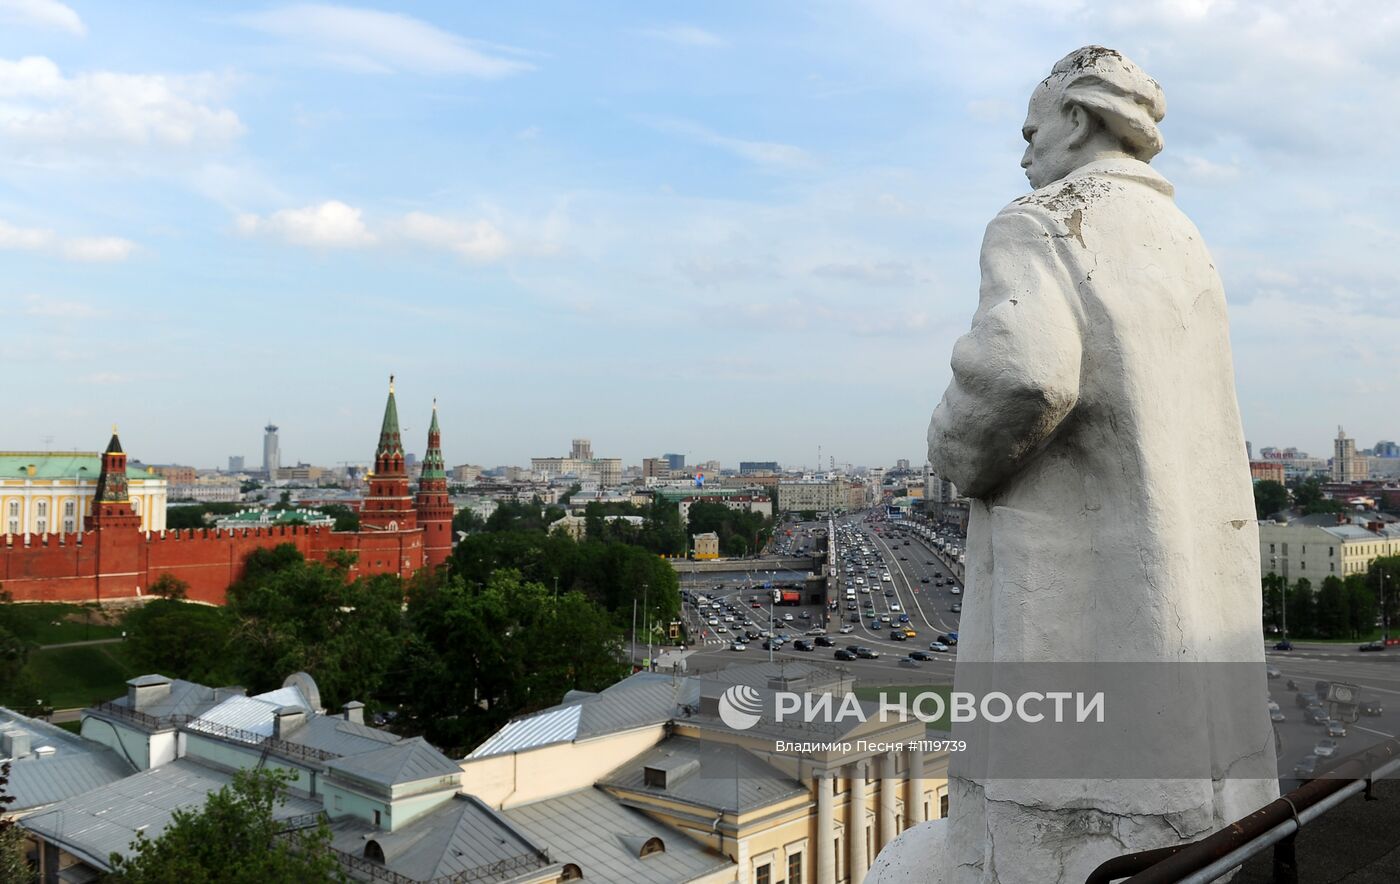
x: 98, y: 823
x: 252, y: 714
x: 185, y: 698
x: 607, y: 847
x: 85, y: 465
x: 461, y: 836
x: 729, y: 777
x: 75, y: 766
x: 407, y: 761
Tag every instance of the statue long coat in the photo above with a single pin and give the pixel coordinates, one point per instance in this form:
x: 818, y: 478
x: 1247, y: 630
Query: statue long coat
x: 1092, y: 417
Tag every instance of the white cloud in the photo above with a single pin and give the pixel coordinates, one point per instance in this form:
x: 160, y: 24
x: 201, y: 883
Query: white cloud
x: 764, y: 153
x: 98, y: 249
x: 87, y: 249
x: 39, y: 104
x: 477, y: 240
x: 381, y: 42
x: 331, y: 224
x: 43, y: 14
x: 685, y: 35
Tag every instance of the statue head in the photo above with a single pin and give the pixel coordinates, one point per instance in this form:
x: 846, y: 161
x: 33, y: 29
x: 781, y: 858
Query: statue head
x: 1094, y: 105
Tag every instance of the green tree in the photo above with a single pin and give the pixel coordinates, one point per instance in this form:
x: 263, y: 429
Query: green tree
x: 1269, y: 497
x: 1383, y: 579
x: 13, y: 864
x: 466, y: 521
x: 180, y: 639
x: 476, y: 656
x: 1273, y: 602
x: 1300, y: 606
x: 809, y: 515
x: 1308, y: 496
x: 290, y: 614
x: 233, y: 839
x: 168, y: 586
x: 284, y: 500
x: 1332, y: 616
x: 1362, y: 606
x: 346, y: 519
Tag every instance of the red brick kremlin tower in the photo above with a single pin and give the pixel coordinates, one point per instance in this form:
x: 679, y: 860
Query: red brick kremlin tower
x: 117, y: 562
x: 434, y: 508
x: 389, y: 506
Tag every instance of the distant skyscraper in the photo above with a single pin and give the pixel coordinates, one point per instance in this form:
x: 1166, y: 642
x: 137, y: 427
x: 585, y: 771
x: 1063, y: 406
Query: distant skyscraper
x: 235, y: 463
x: 674, y: 461
x: 582, y: 449
x: 1347, y: 465
x: 272, y: 456
x: 902, y: 463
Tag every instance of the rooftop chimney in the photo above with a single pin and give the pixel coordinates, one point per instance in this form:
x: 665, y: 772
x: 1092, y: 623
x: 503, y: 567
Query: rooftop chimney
x: 15, y: 744
x: 146, y: 690
x: 354, y: 711
x: 286, y: 720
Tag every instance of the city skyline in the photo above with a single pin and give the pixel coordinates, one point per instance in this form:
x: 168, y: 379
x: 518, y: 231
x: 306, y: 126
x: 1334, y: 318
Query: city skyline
x: 649, y: 232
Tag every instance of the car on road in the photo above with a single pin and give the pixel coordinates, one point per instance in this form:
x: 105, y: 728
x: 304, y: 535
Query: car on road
x: 909, y: 662
x: 889, y: 593
x: 1306, y: 767
x: 805, y: 615
x: 894, y: 606
x: 897, y: 635
x: 1276, y: 714
x: 956, y: 608
x: 738, y: 646
x: 955, y: 590
x: 1373, y: 646
x: 867, y: 653
x: 824, y: 641
x: 920, y: 655
x: 787, y: 617
x: 1302, y: 700
x: 1325, y: 748
x: 847, y: 630
x: 1284, y: 645
x: 1336, y: 729
x: 1371, y: 707
x: 815, y: 630
x: 1317, y: 715
x: 940, y: 647
x: 949, y: 638
x: 802, y: 645
x: 1272, y: 671
x: 874, y: 624
x: 903, y: 618
x: 843, y: 654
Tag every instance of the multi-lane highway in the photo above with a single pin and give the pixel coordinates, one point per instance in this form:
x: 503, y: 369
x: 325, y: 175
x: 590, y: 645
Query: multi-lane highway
x: 927, y: 605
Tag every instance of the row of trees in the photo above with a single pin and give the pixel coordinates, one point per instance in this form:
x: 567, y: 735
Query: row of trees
x: 1272, y: 497
x: 1340, y: 608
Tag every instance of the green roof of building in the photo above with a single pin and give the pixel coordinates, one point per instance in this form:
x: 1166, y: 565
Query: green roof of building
x: 673, y: 495
x: 256, y: 517
x: 60, y: 465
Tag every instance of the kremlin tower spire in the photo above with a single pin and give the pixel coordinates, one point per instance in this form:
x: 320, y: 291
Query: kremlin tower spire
x: 388, y: 506
x: 111, y: 504
x: 434, y: 507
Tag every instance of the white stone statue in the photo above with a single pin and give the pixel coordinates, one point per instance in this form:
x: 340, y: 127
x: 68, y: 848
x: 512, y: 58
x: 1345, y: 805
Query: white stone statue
x: 1092, y: 418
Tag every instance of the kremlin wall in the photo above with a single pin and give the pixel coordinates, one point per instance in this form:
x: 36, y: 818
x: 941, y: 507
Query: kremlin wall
x: 113, y: 559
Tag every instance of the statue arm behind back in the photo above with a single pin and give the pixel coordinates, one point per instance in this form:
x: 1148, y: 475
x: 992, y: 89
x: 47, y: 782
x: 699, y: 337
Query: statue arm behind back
x: 1016, y: 372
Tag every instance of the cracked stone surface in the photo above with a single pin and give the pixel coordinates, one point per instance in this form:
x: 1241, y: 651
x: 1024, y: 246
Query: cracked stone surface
x: 1092, y: 417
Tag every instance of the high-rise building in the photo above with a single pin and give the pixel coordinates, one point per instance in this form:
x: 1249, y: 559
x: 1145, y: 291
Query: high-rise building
x: 581, y: 449
x: 1347, y: 465
x: 235, y: 463
x: 902, y: 464
x: 674, y: 461
x: 272, y: 456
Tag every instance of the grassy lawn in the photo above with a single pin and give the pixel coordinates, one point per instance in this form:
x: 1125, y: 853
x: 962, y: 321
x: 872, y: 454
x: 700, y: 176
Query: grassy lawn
x: 53, y: 623
x: 67, y: 677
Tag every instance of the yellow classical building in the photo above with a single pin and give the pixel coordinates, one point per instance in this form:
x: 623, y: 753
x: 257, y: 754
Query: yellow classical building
x: 50, y: 492
x: 773, y: 802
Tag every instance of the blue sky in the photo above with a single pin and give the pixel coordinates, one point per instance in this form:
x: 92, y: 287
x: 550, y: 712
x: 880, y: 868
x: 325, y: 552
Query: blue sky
x: 735, y: 230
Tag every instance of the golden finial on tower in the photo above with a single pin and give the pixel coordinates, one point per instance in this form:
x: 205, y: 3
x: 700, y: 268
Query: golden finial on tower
x: 114, y: 429
x: 391, y: 383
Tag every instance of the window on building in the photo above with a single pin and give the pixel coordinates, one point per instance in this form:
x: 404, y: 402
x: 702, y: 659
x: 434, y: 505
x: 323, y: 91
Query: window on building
x: 14, y: 508
x: 926, y: 816
x: 1303, y: 565
x: 795, y: 869
x: 14, y: 526
x: 1271, y: 548
x: 1331, y: 551
x: 69, y: 526
x: 1332, y: 567
x: 898, y: 823
x: 42, y: 509
x: 68, y: 508
x: 943, y: 806
x: 41, y: 526
x: 376, y: 818
x: 763, y: 874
